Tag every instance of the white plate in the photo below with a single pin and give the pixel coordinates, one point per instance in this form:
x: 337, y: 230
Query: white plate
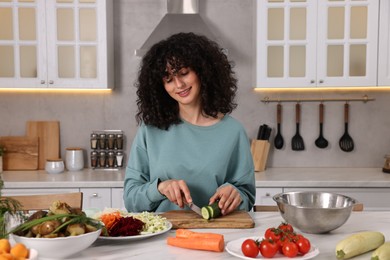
x: 139, y: 237
x: 234, y: 248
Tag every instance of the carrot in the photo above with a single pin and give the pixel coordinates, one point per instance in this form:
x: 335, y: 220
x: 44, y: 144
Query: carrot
x: 181, y: 232
x: 110, y: 218
x: 209, y: 244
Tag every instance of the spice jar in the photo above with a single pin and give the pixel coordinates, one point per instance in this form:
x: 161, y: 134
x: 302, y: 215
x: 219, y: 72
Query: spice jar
x: 386, y: 167
x: 111, y: 159
x: 94, y: 140
x: 102, y: 141
x: 119, y: 159
x: 102, y: 159
x: 119, y: 141
x: 94, y: 159
x: 110, y: 141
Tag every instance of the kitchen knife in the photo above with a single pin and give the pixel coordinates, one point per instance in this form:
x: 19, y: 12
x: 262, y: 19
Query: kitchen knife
x: 195, y: 208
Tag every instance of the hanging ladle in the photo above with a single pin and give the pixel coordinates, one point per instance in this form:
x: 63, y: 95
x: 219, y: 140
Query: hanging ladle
x: 321, y: 142
x: 346, y: 142
x: 278, y: 141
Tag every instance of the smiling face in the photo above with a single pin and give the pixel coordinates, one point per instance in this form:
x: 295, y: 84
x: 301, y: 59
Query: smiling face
x: 183, y: 86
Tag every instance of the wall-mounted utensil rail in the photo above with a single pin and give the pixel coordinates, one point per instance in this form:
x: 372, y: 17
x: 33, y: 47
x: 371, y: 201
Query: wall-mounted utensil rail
x: 364, y: 99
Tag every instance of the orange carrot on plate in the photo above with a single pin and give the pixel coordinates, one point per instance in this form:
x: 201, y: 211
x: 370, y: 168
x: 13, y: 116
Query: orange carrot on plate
x: 209, y: 243
x: 186, y: 233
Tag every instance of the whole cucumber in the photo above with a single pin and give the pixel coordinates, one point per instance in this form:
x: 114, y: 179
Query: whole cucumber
x: 359, y: 243
x: 382, y: 252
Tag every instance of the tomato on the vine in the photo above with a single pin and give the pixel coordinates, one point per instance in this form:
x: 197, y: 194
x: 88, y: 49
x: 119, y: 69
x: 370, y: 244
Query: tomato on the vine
x: 290, y: 249
x: 286, y: 227
x: 303, y: 245
x: 273, y: 234
x: 250, y: 248
x: 268, y: 248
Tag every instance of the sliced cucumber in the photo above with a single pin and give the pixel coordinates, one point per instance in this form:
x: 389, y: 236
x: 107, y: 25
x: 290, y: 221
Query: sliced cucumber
x: 211, y: 211
x: 205, y: 213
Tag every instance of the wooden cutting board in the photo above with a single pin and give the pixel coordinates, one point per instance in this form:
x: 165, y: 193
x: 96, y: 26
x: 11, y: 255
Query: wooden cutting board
x: 189, y: 219
x: 48, y: 133
x: 21, y: 153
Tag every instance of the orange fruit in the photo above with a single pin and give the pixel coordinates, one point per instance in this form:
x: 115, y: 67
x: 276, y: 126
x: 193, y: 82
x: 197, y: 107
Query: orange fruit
x: 6, y: 256
x: 5, y: 246
x: 19, y: 250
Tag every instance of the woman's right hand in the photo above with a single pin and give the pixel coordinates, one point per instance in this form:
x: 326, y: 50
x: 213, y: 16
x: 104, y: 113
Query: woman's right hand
x: 176, y: 191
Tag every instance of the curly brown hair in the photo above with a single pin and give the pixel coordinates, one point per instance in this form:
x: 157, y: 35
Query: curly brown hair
x: 209, y: 62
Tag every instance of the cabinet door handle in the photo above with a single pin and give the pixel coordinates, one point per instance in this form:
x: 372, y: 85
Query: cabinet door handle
x: 95, y: 195
x: 43, y: 82
x: 321, y: 81
x: 267, y: 194
x: 51, y: 82
x: 312, y: 81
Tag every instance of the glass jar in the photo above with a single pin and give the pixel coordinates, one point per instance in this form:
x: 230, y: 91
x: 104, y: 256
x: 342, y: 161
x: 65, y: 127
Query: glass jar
x: 110, y: 141
x: 386, y: 167
x: 111, y: 159
x: 102, y: 159
x: 102, y: 141
x: 119, y: 159
x: 94, y: 159
x: 119, y: 141
x: 94, y: 140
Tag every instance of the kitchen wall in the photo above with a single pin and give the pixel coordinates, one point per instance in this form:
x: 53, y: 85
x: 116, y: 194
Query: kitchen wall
x: 233, y: 23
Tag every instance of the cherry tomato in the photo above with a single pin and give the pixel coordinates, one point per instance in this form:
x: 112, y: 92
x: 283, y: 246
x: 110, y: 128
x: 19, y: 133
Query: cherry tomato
x: 273, y: 233
x: 286, y: 227
x: 268, y: 248
x: 290, y: 249
x: 303, y: 245
x: 249, y: 248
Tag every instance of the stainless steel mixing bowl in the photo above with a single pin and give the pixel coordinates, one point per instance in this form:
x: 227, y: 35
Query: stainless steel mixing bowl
x: 314, y: 212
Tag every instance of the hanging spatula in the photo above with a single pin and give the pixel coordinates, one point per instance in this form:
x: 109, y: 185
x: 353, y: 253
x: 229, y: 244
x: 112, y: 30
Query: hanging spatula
x: 297, y: 140
x: 346, y: 142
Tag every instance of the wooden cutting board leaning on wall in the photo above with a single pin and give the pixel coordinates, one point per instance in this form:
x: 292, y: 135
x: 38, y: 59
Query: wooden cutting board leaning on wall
x: 48, y: 133
x: 189, y: 219
x: 21, y: 153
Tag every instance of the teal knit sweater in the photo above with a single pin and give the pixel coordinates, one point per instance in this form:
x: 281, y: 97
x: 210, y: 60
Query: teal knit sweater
x: 205, y: 157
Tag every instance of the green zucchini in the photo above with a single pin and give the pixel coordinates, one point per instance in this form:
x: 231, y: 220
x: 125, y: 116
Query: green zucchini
x: 211, y: 211
x: 382, y: 252
x: 359, y: 243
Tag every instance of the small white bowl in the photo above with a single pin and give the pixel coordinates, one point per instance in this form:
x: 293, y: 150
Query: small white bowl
x: 33, y: 255
x: 60, y: 247
x: 54, y: 166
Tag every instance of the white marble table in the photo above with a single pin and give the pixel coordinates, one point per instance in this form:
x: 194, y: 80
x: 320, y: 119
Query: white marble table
x: 156, y: 248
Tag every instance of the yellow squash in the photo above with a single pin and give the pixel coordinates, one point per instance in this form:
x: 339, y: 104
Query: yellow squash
x: 359, y: 243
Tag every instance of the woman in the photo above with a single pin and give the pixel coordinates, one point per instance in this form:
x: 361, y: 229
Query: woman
x: 187, y: 148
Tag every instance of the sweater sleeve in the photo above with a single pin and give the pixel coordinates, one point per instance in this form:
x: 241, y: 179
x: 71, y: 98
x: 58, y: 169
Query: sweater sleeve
x: 241, y: 173
x: 140, y: 191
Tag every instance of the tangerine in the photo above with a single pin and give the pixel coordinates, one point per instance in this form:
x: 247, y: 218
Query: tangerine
x: 5, y: 245
x: 19, y: 250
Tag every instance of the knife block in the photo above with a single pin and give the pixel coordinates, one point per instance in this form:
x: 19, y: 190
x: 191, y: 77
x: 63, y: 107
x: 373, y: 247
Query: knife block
x: 259, y: 150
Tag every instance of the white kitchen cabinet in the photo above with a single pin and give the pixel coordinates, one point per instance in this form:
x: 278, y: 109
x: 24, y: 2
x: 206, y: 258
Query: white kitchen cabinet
x: 264, y: 195
x: 384, y: 45
x: 56, y: 44
x: 373, y: 199
x: 117, y: 198
x: 96, y: 198
x: 310, y: 43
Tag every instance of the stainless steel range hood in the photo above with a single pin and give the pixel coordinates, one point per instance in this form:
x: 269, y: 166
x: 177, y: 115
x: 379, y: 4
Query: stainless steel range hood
x: 182, y: 16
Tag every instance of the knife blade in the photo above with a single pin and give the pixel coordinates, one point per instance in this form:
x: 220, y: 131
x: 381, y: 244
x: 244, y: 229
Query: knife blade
x: 195, y: 208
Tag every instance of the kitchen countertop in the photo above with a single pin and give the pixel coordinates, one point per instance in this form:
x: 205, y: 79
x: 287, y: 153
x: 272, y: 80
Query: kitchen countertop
x: 156, y: 247
x: 272, y: 177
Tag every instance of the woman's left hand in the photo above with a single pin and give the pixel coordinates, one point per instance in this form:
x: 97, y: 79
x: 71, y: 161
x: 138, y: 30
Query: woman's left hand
x: 229, y: 198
